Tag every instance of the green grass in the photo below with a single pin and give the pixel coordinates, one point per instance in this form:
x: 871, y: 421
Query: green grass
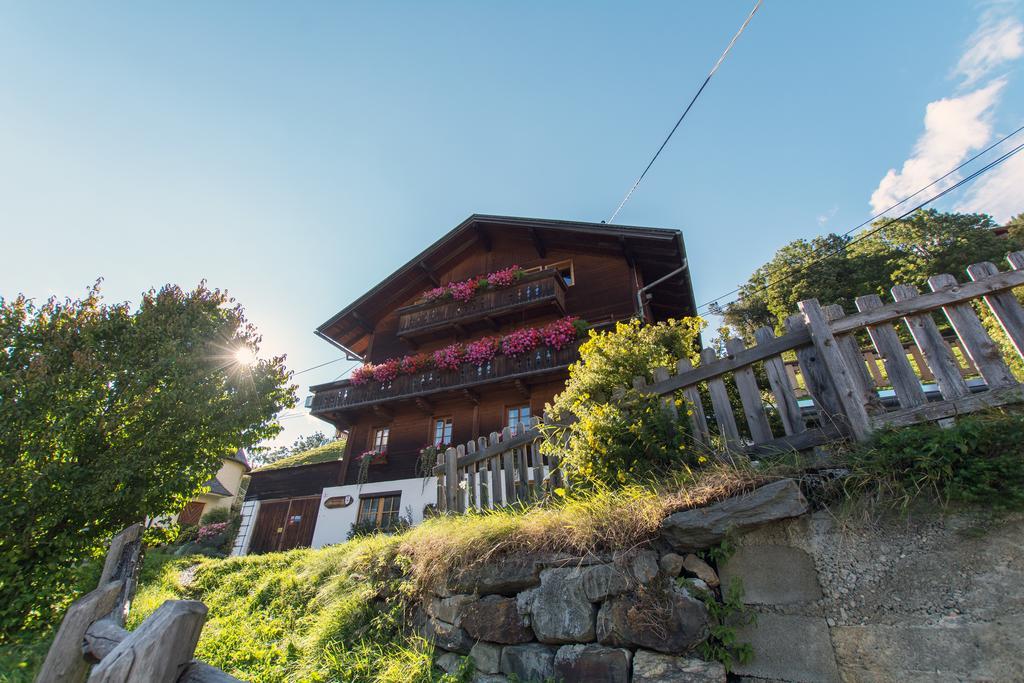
x: 326, y: 453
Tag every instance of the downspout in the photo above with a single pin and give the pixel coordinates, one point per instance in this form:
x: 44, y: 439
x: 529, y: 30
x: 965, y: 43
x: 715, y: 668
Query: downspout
x: 642, y: 292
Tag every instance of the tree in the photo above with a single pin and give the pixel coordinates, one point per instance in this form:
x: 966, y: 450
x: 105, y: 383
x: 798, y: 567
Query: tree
x: 109, y: 416
x: 1015, y: 229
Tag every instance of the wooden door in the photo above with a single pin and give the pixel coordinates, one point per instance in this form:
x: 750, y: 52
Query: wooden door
x: 298, y: 527
x: 266, y: 535
x: 191, y: 513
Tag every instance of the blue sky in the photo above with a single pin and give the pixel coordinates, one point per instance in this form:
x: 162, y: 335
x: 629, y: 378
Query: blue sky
x: 296, y: 154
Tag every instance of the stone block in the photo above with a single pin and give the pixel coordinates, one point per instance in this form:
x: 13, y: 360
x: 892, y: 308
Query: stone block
x: 671, y: 565
x: 561, y: 611
x: 789, y: 648
x: 669, y: 621
x: 448, y: 662
x: 592, y: 663
x: 448, y: 609
x: 504, y: 577
x: 486, y: 657
x: 654, y: 667
x: 533, y: 662
x: 604, y: 580
x: 443, y: 634
x: 773, y: 575
x: 496, y: 619
x: 701, y: 569
x: 704, y: 527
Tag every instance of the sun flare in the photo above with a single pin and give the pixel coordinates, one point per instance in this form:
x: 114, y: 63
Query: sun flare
x: 243, y: 355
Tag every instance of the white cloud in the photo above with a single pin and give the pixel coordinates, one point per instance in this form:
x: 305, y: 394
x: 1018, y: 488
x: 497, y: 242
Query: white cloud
x: 997, y: 41
x: 953, y: 128
x: 1000, y: 192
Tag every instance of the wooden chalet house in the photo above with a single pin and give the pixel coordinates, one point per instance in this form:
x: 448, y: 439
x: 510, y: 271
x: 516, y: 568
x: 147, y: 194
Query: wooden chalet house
x: 445, y: 359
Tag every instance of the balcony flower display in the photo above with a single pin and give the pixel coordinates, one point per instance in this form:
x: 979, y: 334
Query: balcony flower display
x: 465, y: 290
x: 418, y: 362
x: 435, y: 294
x: 560, y: 333
x: 362, y: 375
x: 482, y: 350
x: 520, y: 341
x: 386, y: 371
x: 450, y: 357
x: 505, y: 277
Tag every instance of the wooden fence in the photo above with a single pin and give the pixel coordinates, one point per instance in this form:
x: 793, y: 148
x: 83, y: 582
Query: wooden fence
x: 833, y: 370
x: 92, y: 644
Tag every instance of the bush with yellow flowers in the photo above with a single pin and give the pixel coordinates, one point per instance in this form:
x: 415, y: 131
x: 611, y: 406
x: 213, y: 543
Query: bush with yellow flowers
x: 617, y: 434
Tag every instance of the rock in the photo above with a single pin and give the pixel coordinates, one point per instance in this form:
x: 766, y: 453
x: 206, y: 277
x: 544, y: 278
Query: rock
x: 701, y: 569
x: 486, y: 657
x: 506, y: 577
x: 652, y: 667
x: 697, y: 583
x: 444, y: 635
x: 704, y: 527
x: 671, y: 565
x: 524, y: 601
x: 448, y: 662
x: 561, y: 611
x: 644, y: 566
x: 496, y: 619
x: 667, y: 621
x: 488, y: 678
x: 533, y: 662
x: 592, y: 663
x: 603, y: 580
x: 448, y: 609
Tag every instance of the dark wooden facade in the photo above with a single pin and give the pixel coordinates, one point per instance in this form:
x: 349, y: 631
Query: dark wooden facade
x: 608, y: 266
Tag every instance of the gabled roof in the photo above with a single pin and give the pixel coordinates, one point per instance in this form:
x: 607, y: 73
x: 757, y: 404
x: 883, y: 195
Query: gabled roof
x: 655, y: 251
x: 217, y: 488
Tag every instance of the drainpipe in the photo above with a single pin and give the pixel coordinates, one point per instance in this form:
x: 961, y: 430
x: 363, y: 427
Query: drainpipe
x: 641, y: 294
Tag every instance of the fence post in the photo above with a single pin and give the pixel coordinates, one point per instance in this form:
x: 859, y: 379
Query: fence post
x: 828, y: 350
x: 451, y: 484
x: 1004, y: 305
x: 122, y: 564
x: 64, y: 661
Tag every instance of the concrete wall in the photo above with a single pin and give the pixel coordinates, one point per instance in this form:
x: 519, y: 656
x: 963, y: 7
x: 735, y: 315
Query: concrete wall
x: 926, y: 598
x: 332, y: 525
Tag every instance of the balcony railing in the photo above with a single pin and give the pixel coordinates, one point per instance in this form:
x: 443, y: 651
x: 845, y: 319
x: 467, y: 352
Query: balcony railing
x: 344, y: 394
x: 534, y: 291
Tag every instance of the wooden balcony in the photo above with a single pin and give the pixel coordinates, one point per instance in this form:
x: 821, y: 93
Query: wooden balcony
x: 339, y: 397
x: 536, y: 293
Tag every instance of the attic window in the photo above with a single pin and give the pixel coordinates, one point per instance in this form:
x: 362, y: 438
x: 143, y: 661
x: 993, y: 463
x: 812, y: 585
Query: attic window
x: 563, y: 267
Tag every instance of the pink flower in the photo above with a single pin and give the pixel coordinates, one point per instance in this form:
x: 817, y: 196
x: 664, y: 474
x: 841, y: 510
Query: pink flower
x: 520, y: 341
x: 560, y: 333
x: 434, y: 294
x: 362, y: 375
x: 450, y: 357
x: 462, y: 291
x: 505, y: 277
x: 482, y: 350
x: 386, y: 371
x: 410, y: 365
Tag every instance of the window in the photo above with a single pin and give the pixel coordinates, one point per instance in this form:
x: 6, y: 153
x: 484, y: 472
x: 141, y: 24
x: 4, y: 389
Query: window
x: 380, y: 511
x: 442, y: 431
x: 380, y: 440
x: 563, y: 267
x: 517, y: 414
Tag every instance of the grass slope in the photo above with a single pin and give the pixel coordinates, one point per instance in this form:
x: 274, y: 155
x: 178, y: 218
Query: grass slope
x: 326, y: 453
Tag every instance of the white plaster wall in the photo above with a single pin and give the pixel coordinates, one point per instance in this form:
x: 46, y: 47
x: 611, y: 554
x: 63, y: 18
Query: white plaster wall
x: 332, y: 525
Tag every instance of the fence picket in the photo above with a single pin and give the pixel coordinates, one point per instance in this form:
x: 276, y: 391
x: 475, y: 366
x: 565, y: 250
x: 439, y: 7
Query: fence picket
x: 668, y: 401
x: 694, y: 407
x: 451, y: 480
x: 727, y: 429
x: 508, y: 463
x: 888, y: 345
x: 1004, y: 305
x: 977, y: 345
x: 785, y: 397
x: 472, y: 501
x: 850, y: 350
x: 750, y: 396
x: 816, y: 378
x: 937, y: 354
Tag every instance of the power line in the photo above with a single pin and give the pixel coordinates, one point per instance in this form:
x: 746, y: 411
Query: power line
x: 867, y: 233
x: 316, y: 366
x: 686, y: 111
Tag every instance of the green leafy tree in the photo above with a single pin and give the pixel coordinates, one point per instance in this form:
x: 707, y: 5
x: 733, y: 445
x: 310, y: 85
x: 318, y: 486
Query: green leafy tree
x: 619, y: 439
x: 109, y: 416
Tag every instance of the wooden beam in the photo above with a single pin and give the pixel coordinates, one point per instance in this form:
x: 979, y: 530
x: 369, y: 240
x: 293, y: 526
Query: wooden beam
x: 383, y: 413
x: 362, y: 322
x: 430, y: 274
x: 521, y: 387
x: 471, y: 396
x: 951, y: 407
x: 538, y: 242
x: 424, y: 405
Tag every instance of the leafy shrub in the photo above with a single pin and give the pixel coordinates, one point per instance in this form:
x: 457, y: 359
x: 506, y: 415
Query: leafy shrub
x: 620, y: 439
x: 977, y: 461
x: 369, y: 527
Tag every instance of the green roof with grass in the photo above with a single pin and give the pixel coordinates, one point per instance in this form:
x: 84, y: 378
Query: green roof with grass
x: 326, y: 453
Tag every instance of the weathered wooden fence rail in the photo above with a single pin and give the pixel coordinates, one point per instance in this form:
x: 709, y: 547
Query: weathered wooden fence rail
x: 92, y: 644
x: 833, y: 370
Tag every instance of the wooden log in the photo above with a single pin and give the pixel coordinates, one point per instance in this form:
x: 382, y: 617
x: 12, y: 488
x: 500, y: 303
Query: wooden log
x: 790, y: 443
x: 933, y: 347
x: 931, y: 301
x: 854, y: 360
x: 850, y: 395
x: 977, y: 345
x: 785, y: 398
x: 1004, y: 306
x: 123, y: 562
x: 694, y: 408
x: 159, y: 650
x: 750, y: 396
x: 888, y: 345
x: 451, y: 480
x: 508, y: 463
x: 64, y: 662
x: 103, y: 636
x: 817, y: 380
x: 722, y: 406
